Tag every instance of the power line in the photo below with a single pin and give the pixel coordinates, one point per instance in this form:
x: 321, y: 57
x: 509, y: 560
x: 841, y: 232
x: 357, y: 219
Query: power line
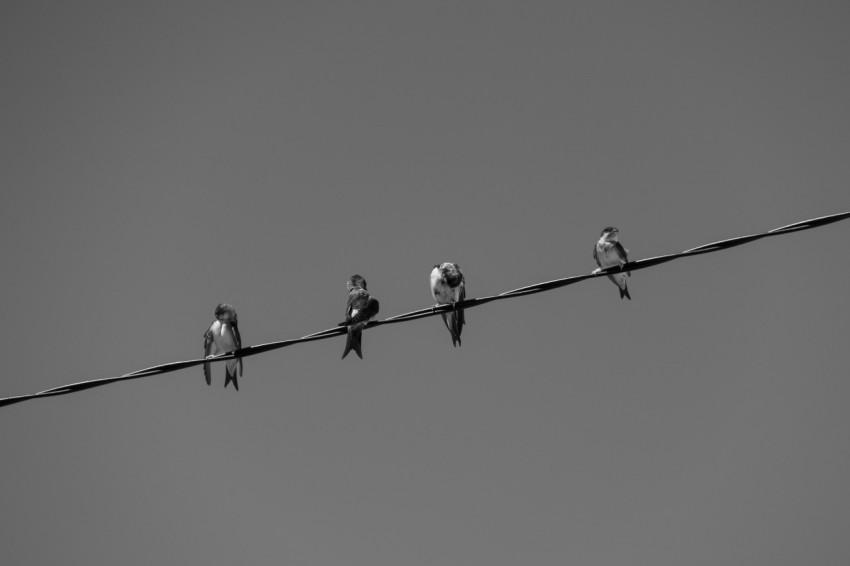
x: 432, y: 311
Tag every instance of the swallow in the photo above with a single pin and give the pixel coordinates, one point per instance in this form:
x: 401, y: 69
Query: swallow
x: 448, y: 286
x: 359, y: 310
x: 223, y: 333
x: 608, y: 252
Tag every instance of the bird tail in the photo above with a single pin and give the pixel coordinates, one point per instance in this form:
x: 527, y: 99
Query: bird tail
x: 454, y: 322
x: 231, y: 376
x: 620, y: 281
x: 353, y: 340
x: 208, y: 373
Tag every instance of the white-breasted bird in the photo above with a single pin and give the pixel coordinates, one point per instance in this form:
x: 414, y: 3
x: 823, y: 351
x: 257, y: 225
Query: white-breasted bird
x: 448, y: 286
x: 359, y: 310
x: 223, y: 333
x: 608, y: 252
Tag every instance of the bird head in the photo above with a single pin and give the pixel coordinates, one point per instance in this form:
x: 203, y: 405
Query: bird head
x: 610, y: 234
x: 356, y: 281
x: 225, y: 313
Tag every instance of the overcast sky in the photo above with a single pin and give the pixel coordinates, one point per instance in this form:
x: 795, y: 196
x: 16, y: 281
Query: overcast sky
x: 162, y: 157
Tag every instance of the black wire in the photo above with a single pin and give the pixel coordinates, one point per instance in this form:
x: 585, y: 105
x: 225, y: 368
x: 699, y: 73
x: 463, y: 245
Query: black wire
x: 432, y: 311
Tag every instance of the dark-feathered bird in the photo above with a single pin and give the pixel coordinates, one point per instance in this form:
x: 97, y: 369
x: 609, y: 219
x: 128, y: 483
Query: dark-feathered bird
x: 359, y: 310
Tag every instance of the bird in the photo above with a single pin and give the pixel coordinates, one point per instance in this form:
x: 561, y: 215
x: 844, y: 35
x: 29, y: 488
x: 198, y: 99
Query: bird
x: 608, y: 252
x: 448, y: 286
x: 223, y: 333
x: 359, y: 310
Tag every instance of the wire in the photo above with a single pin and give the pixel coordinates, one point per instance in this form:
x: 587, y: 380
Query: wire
x: 432, y: 311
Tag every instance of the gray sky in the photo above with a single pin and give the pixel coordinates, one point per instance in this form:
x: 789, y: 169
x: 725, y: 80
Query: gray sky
x: 162, y: 157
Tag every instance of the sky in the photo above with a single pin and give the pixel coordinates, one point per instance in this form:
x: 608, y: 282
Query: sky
x: 162, y: 157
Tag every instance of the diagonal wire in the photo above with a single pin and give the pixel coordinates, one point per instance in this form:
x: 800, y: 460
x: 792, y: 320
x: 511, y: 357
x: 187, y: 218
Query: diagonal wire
x: 432, y: 311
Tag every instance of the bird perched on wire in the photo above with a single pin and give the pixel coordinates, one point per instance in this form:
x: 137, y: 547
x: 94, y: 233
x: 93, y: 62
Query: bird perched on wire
x: 359, y: 310
x: 608, y: 252
x: 223, y: 333
x: 448, y: 286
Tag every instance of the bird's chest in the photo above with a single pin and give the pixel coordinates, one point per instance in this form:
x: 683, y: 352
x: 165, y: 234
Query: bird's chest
x: 223, y: 338
x: 607, y: 254
x: 443, y: 292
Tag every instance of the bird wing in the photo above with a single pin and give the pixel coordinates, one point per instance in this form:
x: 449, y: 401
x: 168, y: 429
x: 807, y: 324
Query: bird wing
x: 352, y: 303
x: 361, y: 307
x: 371, y: 309
x: 624, y: 253
x: 461, y: 314
x: 237, y: 338
x: 621, y: 250
x: 208, y: 342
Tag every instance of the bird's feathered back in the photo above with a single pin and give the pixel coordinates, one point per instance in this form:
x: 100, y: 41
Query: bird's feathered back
x: 361, y: 306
